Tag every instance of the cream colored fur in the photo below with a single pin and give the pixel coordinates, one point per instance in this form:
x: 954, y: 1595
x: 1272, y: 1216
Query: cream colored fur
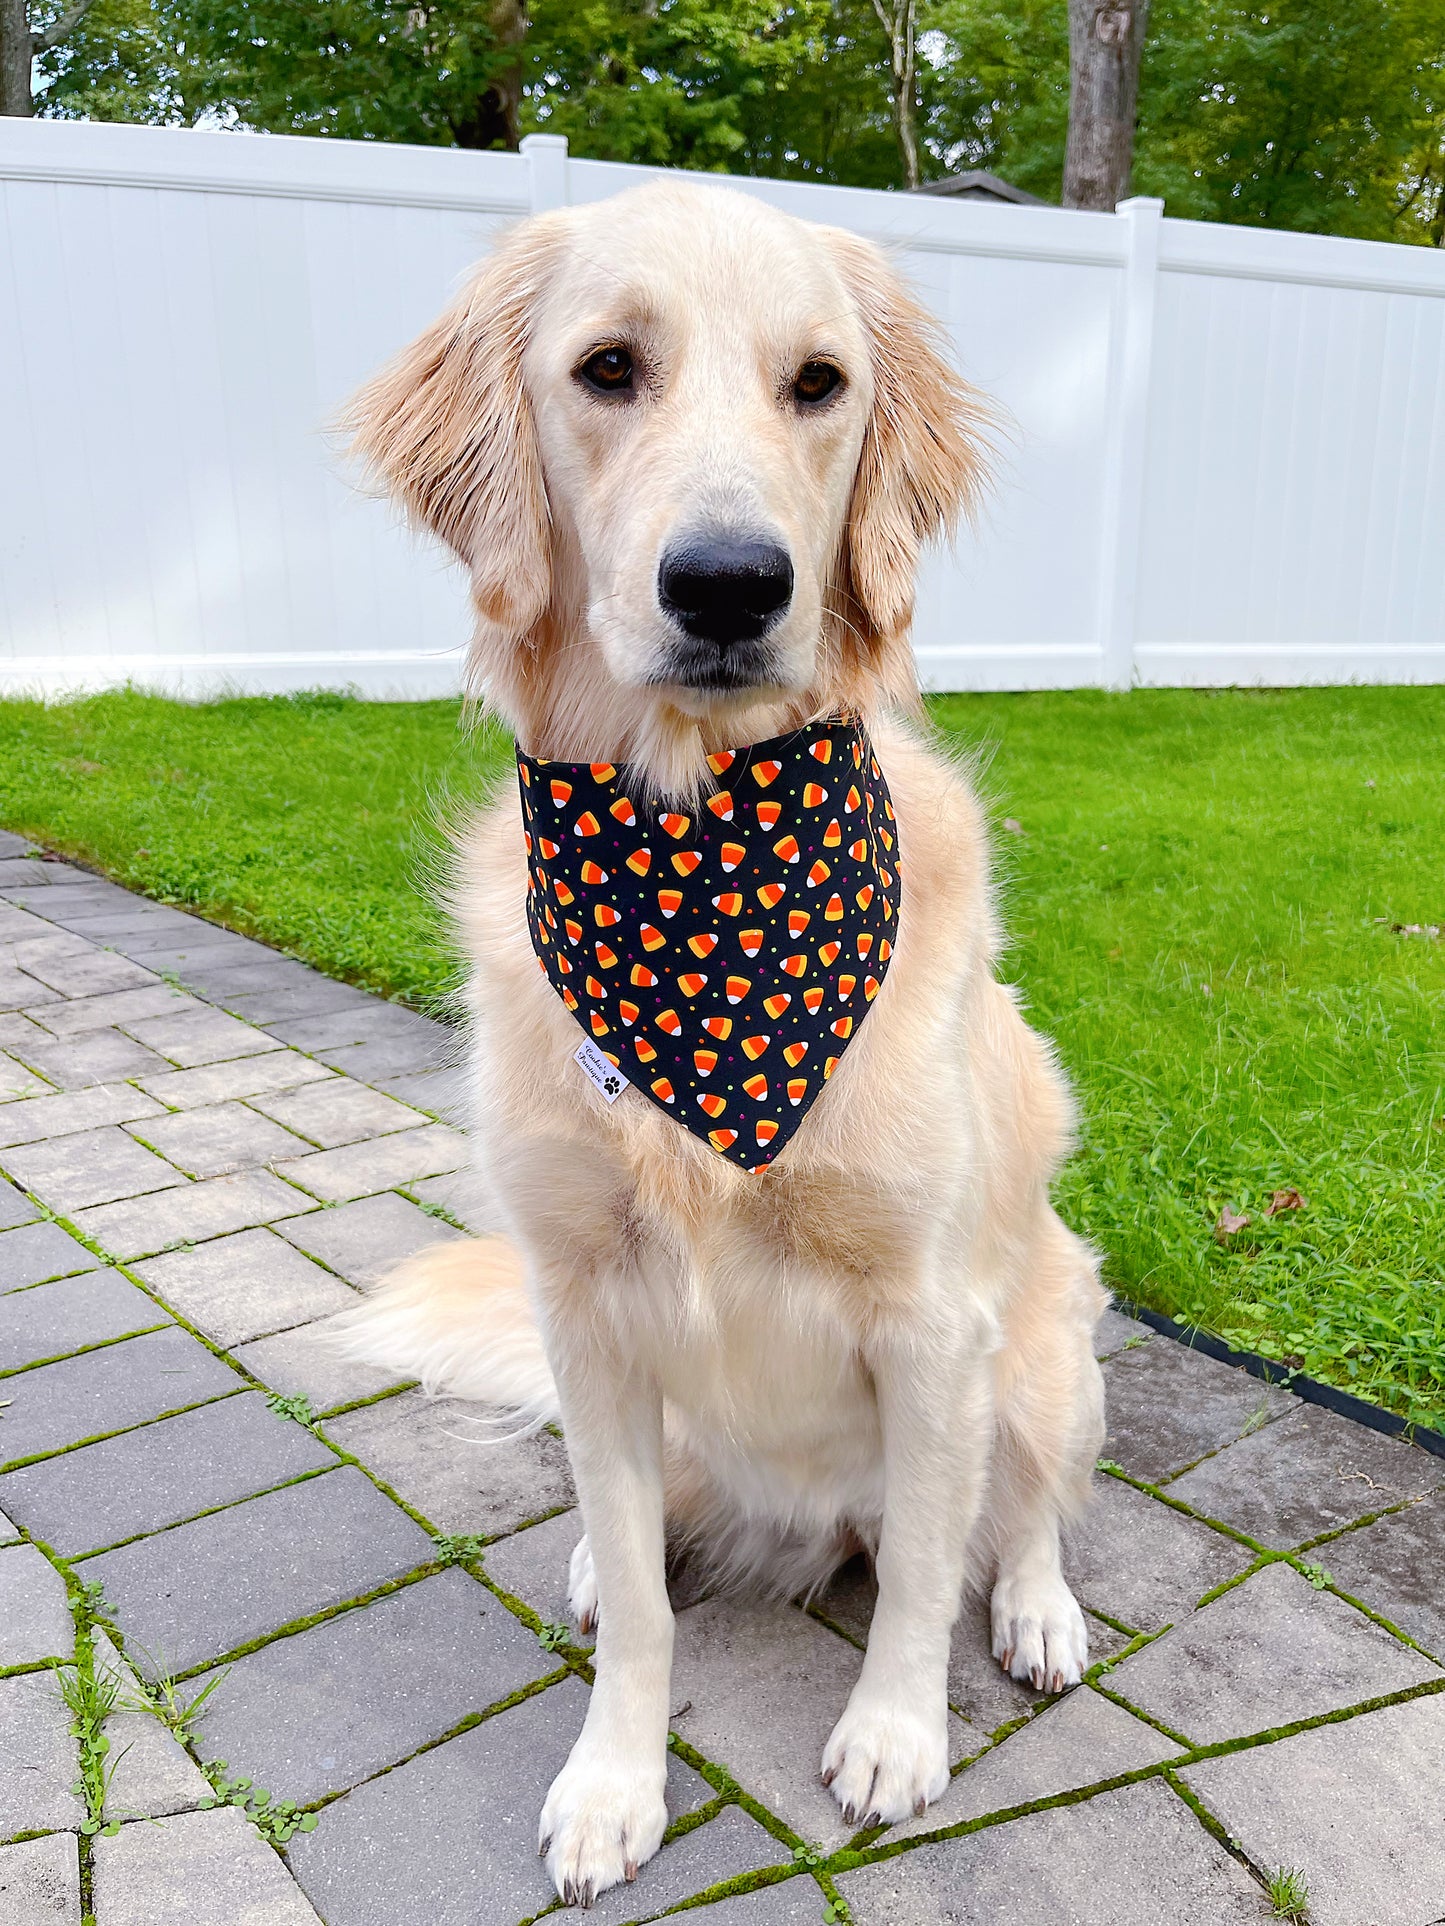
x: 886, y: 1338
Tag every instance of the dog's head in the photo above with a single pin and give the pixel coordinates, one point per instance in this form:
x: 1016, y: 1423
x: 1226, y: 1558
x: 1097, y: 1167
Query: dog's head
x: 688, y: 448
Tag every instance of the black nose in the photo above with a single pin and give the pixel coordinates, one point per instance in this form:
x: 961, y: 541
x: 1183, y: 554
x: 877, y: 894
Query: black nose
x: 725, y: 590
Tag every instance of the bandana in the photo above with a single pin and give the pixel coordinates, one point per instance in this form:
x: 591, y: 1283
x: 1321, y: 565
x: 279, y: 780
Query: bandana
x: 722, y: 959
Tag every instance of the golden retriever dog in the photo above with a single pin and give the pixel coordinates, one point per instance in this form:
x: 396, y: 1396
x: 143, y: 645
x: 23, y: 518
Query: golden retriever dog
x: 882, y: 1338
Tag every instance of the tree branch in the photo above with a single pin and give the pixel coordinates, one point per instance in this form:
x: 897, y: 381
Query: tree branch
x: 62, y: 28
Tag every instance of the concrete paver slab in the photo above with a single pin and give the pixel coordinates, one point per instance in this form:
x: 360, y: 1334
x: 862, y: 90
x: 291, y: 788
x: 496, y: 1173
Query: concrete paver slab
x: 124, y: 1007
x: 240, y: 1077
x: 450, y: 1838
x: 107, y: 1390
x: 92, y: 1167
x: 15, y: 1207
x: 160, y: 1473
x: 100, y: 1056
x: 358, y: 1024
x: 1114, y: 1331
x: 1142, y: 1563
x: 331, y: 1706
x: 242, y: 1286
x: 203, y: 1868
x: 38, y: 1760
x: 1167, y: 1406
x: 363, y: 1241
x: 462, y: 1194
x: 198, y: 1036
x: 1133, y: 1857
x: 35, y: 1119
x: 76, y: 968
x: 305, y: 994
x: 1269, y: 1652
x: 217, y: 1138
x: 40, y: 1882
x: 380, y: 1163
x: 1080, y: 1741
x: 33, y: 1254
x: 442, y: 1093
x: 190, y: 1214
x: 17, y: 1081
x: 35, y: 1620
x: 431, y: 1453
x: 1356, y: 1807
x: 1397, y: 1567
x: 52, y: 1320
x: 339, y: 1111
x: 1310, y: 1473
x: 306, y: 1363
x: 201, y: 1589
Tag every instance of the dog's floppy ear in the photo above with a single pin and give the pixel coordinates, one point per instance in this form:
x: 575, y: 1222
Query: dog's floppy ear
x: 923, y: 457
x: 447, y: 429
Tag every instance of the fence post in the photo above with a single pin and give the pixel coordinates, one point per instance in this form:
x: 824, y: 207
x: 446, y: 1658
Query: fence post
x: 546, y: 156
x: 1123, y: 503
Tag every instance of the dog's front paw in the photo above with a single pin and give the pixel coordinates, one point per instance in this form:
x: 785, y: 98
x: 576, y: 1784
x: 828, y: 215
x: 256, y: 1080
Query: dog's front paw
x: 885, y: 1761
x: 603, y: 1818
x: 1039, y: 1633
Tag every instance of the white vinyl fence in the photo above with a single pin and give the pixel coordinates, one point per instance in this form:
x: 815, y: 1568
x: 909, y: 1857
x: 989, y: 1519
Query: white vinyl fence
x: 1227, y: 466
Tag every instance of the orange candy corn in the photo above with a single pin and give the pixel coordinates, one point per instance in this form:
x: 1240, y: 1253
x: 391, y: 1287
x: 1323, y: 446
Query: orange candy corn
x: 606, y: 957
x: 859, y: 849
x: 786, y: 849
x: 703, y: 945
x: 629, y: 1012
x: 751, y: 941
x: 670, y: 1022
x: 766, y: 772
x: 736, y: 988
x: 641, y: 978
x: 794, y: 1054
x: 605, y: 916
x: 599, y: 1028
x: 560, y: 791
x: 592, y: 874
x: 718, y: 1026
x: 721, y: 805
x: 663, y: 1089
x: 549, y: 850
x: 692, y: 983
x: 819, y: 873
x: 624, y: 812
x: 766, y: 1130
x: 753, y: 1047
x: 843, y: 1027
x: 795, y: 965
x: 833, y: 912
x: 833, y: 834
x: 797, y: 1089
x: 814, y: 795
x: 712, y: 1103
x: 828, y: 955
x: 686, y: 861
x: 645, y: 1051
x: 775, y: 1005
x: 846, y: 986
x: 675, y: 825
x: 729, y: 903
x: 864, y: 896
x: 652, y: 938
x: 812, y: 999
x: 823, y: 750
x: 756, y: 1087
x: 601, y: 771
x: 798, y: 921
x: 669, y: 901
x: 594, y: 988
x: 730, y: 855
x: 768, y: 814
x: 720, y: 760
x: 586, y: 824
x: 706, y: 1061
x: 640, y: 861
x: 573, y: 929
x: 772, y: 894
x: 563, y: 894
x: 722, y: 1139
x: 871, y: 987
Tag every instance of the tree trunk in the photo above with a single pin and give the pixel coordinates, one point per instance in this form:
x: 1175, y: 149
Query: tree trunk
x: 16, y: 52
x: 1106, y: 39
x: 900, y: 22
x: 493, y: 120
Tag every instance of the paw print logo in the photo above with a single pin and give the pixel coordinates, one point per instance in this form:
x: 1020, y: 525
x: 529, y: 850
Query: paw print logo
x: 611, y: 1086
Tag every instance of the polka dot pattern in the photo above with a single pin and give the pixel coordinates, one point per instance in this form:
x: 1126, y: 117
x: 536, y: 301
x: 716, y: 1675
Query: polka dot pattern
x: 722, y: 958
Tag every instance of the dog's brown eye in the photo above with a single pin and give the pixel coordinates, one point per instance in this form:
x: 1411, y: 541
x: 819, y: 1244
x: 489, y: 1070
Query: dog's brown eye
x: 815, y: 381
x: 609, y: 371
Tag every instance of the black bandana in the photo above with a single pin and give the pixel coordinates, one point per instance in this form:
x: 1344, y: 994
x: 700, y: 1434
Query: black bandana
x: 722, y: 961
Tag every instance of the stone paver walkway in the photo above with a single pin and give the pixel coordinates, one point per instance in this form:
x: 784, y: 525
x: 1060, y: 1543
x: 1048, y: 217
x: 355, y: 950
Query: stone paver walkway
x: 208, y: 1150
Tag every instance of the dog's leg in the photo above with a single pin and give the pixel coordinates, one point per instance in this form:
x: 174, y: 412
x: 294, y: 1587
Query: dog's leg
x: 605, y: 1813
x: 888, y: 1754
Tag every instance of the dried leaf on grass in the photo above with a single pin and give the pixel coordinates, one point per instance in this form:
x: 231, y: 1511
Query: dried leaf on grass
x: 1228, y: 1222
x: 1286, y: 1199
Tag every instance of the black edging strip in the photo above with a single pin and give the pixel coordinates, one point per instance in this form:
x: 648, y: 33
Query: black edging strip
x: 1271, y: 1371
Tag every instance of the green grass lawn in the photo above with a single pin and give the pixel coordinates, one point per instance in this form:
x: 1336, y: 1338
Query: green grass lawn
x: 1200, y: 891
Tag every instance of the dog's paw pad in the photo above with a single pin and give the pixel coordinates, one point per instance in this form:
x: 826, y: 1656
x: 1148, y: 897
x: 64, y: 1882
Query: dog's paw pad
x: 1039, y: 1635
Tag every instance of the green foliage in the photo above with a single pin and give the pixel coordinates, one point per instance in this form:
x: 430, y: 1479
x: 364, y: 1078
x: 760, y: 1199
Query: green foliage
x: 296, y: 1406
x: 456, y: 1548
x: 553, y: 1637
x: 1201, y: 915
x: 90, y: 1699
x: 1327, y: 115
x: 275, y: 1819
x: 1288, y: 1894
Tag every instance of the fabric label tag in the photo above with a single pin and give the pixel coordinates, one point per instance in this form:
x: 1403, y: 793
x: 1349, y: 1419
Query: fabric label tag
x: 600, y: 1070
